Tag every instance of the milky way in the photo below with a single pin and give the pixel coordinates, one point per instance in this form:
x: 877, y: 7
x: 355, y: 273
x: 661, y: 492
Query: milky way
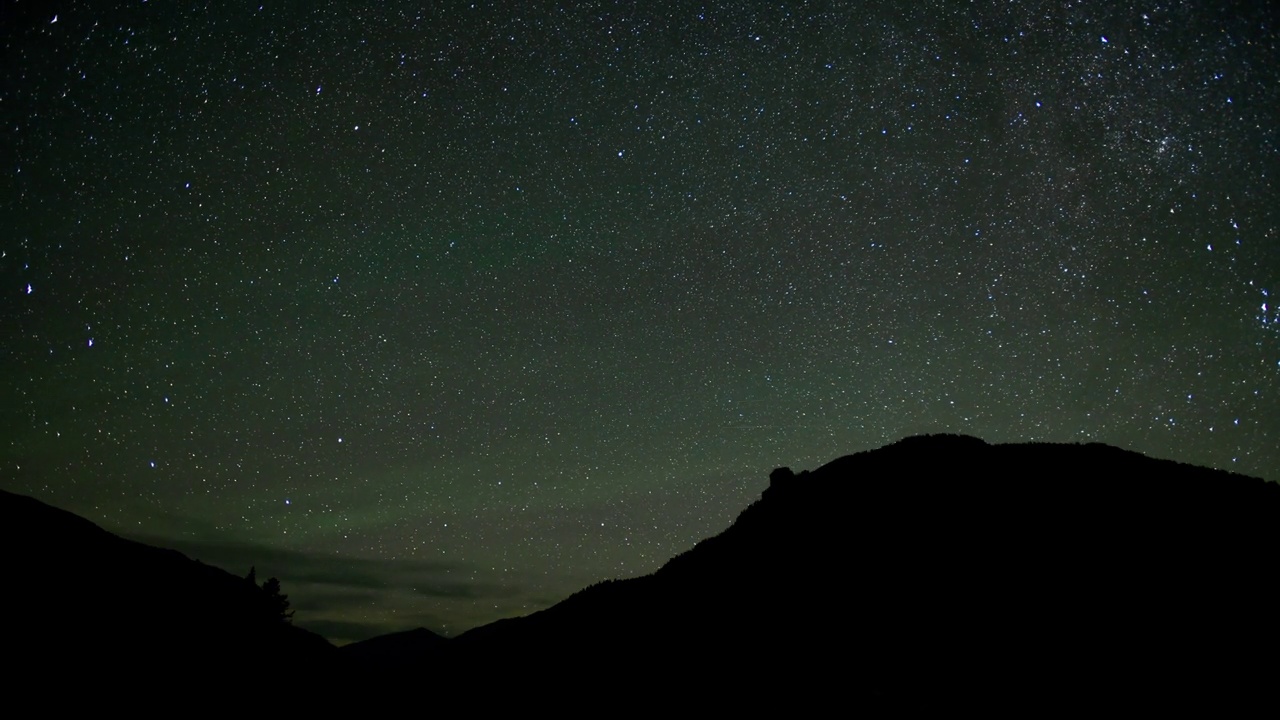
x: 442, y: 311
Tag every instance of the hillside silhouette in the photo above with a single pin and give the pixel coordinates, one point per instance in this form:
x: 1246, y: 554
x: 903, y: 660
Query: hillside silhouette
x: 84, y: 603
x: 939, y: 570
x: 399, y: 652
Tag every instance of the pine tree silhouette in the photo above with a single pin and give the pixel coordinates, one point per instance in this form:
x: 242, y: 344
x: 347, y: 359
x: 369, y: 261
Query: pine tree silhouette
x: 279, y: 601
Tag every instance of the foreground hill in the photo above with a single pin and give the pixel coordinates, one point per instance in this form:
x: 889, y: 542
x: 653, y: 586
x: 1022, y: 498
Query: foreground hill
x: 82, y: 603
x: 937, y: 569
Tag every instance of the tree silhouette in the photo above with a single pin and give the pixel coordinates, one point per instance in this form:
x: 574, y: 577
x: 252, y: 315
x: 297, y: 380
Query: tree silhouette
x: 279, y: 601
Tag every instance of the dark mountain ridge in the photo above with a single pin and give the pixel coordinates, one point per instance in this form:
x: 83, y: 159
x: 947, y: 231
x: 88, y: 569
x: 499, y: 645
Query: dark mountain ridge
x: 84, y: 603
x: 938, y: 568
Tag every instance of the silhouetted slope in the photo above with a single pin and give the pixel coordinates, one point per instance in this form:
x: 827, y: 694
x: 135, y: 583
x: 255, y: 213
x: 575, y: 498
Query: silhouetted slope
x: 80, y: 602
x: 943, y: 567
x: 417, y: 649
x: 938, y: 570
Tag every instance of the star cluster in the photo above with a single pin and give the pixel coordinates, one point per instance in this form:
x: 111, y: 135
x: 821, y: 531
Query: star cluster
x: 441, y: 311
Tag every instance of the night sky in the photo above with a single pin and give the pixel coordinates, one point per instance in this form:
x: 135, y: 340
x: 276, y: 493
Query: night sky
x: 442, y: 311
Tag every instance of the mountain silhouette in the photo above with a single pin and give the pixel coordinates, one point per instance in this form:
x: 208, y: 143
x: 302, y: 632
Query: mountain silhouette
x: 937, y: 571
x: 82, y: 603
x: 410, y: 650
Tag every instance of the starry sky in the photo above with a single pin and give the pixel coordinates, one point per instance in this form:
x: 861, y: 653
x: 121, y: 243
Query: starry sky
x: 441, y: 311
